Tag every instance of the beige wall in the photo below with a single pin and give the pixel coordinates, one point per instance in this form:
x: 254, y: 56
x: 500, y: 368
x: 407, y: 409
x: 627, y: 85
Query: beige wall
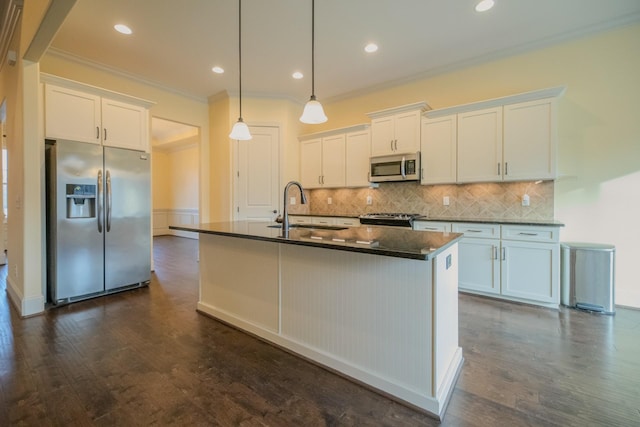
x: 175, y: 178
x: 596, y: 195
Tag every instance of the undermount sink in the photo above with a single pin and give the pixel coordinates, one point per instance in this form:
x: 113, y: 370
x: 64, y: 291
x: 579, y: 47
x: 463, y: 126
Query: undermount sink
x: 314, y: 226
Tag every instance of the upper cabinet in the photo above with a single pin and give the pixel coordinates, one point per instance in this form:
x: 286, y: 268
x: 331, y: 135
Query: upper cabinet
x: 396, y: 130
x: 438, y: 155
x: 336, y: 158
x: 83, y: 113
x: 480, y: 145
x: 503, y: 139
x: 529, y: 150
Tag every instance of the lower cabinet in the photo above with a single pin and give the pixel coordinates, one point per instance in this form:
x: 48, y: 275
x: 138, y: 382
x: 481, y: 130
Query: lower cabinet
x: 513, y: 262
x: 324, y: 220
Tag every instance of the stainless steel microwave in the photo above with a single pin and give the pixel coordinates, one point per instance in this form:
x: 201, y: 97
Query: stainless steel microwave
x: 395, y: 167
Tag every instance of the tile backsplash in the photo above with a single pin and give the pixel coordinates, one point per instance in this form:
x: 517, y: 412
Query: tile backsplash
x: 486, y: 200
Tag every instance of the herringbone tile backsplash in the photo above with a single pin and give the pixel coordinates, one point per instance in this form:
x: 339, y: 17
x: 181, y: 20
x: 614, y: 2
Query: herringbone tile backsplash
x: 489, y: 200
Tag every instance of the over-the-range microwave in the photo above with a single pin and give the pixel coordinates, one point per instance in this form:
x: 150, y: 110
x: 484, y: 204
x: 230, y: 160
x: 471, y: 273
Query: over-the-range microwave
x: 395, y: 167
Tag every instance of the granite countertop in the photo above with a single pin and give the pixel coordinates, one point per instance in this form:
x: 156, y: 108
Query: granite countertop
x: 385, y: 241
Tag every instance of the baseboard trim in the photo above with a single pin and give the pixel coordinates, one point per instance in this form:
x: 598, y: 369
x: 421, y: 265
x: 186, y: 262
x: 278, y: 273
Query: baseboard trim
x: 26, y: 307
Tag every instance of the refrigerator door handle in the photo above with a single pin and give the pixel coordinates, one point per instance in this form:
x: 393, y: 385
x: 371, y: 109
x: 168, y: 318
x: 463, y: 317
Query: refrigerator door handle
x: 99, y: 201
x: 108, y: 181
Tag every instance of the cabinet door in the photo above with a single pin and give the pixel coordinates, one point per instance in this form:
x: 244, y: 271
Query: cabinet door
x: 438, y: 150
x: 333, y: 161
x: 407, y: 132
x: 71, y: 114
x: 480, y: 145
x: 531, y: 271
x: 382, y: 136
x: 311, y: 163
x: 479, y: 265
x: 530, y: 140
x: 124, y: 125
x: 358, y: 151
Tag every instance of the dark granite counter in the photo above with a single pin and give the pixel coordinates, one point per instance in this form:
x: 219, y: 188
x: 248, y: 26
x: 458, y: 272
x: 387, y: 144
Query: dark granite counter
x: 385, y: 241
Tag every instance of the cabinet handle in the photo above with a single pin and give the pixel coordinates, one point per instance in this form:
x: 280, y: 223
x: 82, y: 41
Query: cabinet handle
x: 322, y: 179
x: 319, y: 180
x: 105, y: 134
x: 392, y: 145
x: 396, y: 144
x: 506, y: 168
x: 498, y: 168
x: 495, y: 252
x: 472, y: 231
x: 97, y: 132
x: 528, y: 234
x: 504, y: 254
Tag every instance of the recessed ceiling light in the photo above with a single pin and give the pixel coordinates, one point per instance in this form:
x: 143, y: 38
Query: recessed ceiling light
x: 297, y: 75
x: 484, y: 5
x: 123, y: 29
x: 217, y: 70
x: 371, y: 47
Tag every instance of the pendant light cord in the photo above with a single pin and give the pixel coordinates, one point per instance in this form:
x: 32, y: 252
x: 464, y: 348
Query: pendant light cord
x: 240, y: 52
x: 313, y: 49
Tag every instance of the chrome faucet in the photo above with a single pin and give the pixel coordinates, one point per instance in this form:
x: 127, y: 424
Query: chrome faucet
x: 285, y: 216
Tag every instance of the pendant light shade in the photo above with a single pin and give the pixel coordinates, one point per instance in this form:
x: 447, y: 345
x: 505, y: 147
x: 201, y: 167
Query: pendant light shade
x: 240, y: 130
x: 313, y: 113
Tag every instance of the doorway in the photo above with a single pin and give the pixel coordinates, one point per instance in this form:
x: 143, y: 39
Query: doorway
x: 257, y: 175
x: 175, y: 175
x: 4, y: 188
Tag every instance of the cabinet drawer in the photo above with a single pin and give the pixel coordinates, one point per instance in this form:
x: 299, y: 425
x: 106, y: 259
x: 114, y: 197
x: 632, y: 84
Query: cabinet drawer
x: 432, y: 226
x: 487, y: 231
x: 299, y: 219
x: 323, y: 220
x: 347, y: 222
x: 531, y: 233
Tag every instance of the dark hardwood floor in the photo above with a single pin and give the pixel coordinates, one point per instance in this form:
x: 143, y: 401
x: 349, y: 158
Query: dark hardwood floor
x: 145, y: 357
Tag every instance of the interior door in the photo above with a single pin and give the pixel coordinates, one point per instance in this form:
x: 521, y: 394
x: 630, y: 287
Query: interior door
x: 257, y: 175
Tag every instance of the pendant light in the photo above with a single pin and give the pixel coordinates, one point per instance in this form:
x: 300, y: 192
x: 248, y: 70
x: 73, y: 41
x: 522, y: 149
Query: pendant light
x: 313, y: 112
x: 240, y: 130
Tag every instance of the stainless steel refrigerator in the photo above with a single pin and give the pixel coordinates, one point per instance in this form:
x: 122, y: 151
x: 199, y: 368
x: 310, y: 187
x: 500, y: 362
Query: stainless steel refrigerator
x: 98, y: 220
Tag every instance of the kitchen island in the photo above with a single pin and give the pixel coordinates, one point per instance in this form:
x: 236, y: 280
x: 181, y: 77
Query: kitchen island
x: 376, y: 304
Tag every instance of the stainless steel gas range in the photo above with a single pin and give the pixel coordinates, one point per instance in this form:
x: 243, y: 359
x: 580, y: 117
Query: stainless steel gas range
x: 403, y: 220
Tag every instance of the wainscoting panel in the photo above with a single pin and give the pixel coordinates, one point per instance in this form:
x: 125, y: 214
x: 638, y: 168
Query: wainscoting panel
x: 163, y: 218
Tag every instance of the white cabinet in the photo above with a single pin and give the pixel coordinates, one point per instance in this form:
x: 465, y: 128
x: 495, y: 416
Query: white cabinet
x: 480, y: 145
x: 311, y: 163
x: 358, y: 151
x: 72, y: 114
x: 92, y: 116
x: 479, y: 265
x: 530, y: 258
x: 337, y: 158
x: 322, y: 162
x: 124, y: 125
x: 431, y: 226
x: 324, y: 220
x: 520, y: 263
x: 529, y: 140
x: 438, y: 150
x: 396, y: 130
x: 504, y: 139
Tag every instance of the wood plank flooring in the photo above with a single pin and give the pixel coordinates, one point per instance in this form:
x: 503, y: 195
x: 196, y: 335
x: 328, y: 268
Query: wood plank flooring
x: 145, y: 357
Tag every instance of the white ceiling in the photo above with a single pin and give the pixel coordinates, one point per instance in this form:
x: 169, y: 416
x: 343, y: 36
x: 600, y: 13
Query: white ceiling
x: 175, y: 43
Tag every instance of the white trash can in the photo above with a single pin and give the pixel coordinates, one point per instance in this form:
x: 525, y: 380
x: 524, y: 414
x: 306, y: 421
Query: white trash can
x: 587, y: 279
